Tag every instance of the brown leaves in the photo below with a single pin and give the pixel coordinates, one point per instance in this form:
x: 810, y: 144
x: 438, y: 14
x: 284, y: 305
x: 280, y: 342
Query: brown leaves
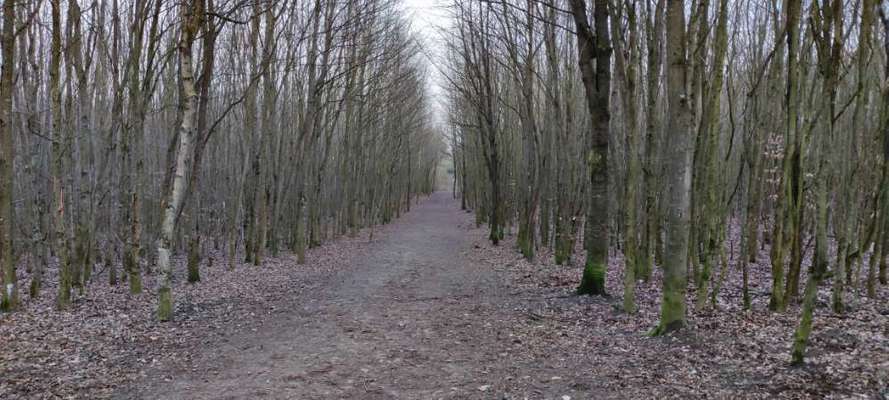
x: 109, y: 339
x: 725, y: 353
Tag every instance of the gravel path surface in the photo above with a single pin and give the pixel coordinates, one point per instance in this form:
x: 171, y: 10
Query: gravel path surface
x: 415, y: 318
x: 430, y: 310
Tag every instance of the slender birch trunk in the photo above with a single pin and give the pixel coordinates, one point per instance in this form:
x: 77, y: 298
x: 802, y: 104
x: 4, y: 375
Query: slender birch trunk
x: 191, y: 13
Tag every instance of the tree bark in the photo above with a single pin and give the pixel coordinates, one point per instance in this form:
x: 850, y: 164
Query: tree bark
x: 626, y: 61
x: 594, y: 60
x: 678, y: 171
x: 191, y: 13
x: 828, y: 28
x: 59, y: 139
x: 787, y: 215
x: 10, y: 297
x: 651, y: 177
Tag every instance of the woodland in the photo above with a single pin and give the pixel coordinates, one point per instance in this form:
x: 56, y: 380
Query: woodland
x: 182, y: 164
x: 660, y: 128
x: 144, y: 127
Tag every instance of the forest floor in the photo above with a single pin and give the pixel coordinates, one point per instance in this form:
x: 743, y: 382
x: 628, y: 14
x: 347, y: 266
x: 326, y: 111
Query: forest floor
x: 428, y: 309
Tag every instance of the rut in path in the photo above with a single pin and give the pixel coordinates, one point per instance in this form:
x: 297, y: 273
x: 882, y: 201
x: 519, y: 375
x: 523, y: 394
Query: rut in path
x: 415, y: 319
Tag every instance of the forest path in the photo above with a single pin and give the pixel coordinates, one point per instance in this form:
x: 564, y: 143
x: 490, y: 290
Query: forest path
x: 414, y: 319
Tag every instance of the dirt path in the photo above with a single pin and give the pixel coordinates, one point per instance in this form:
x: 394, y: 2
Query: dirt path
x: 413, y: 319
x: 429, y: 309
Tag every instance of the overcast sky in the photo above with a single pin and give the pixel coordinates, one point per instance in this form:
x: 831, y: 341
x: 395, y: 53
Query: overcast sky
x: 427, y: 18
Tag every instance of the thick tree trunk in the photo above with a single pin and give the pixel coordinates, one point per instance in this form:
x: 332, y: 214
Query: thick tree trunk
x: 677, y: 158
x: 10, y: 299
x: 594, y: 59
x: 626, y: 62
x: 882, y: 238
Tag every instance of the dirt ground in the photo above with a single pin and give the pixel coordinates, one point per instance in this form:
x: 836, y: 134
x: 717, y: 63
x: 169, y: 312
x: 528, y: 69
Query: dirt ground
x: 415, y: 318
x: 432, y: 311
x: 428, y: 309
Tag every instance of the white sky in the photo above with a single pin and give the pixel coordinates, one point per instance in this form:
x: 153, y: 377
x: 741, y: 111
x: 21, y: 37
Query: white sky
x: 428, y: 17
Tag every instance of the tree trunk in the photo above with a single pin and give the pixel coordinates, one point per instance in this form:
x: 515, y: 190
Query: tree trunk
x: 59, y: 150
x: 191, y: 13
x: 787, y: 216
x: 594, y: 59
x: 712, y: 207
x: 626, y: 62
x: 10, y: 299
x: 829, y: 46
x: 677, y: 158
x: 651, y: 177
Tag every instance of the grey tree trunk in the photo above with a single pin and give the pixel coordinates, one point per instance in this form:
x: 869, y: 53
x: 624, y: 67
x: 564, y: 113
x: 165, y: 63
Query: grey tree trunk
x: 594, y: 59
x: 677, y: 159
x: 7, y: 264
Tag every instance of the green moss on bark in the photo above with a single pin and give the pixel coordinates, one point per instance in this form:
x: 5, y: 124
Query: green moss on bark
x: 672, y: 305
x: 564, y: 244
x: 801, y: 336
x: 64, y: 299
x: 131, y: 266
x: 10, y: 301
x: 165, y: 305
x: 593, y: 281
x: 112, y: 271
x: 34, y: 290
x: 194, y: 260
x: 300, y: 246
x: 496, y: 234
x: 525, y: 241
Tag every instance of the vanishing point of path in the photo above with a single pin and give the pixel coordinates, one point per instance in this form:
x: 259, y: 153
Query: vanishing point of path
x: 414, y: 319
